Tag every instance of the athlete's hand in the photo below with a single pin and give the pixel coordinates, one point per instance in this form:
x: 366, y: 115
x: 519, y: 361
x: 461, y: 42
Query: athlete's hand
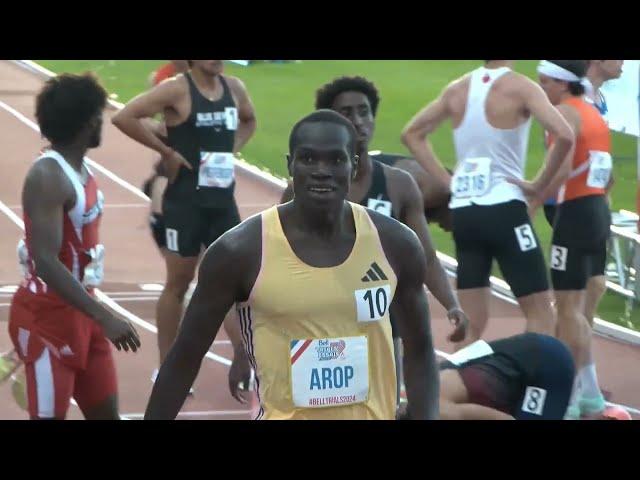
x: 173, y: 163
x: 121, y: 332
x: 460, y: 321
x: 534, y: 205
x: 239, y: 375
x: 530, y: 189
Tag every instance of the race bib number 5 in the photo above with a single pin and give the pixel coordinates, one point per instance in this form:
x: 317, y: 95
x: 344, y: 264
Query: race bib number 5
x: 472, y: 178
x: 329, y: 372
x: 216, y: 169
x: 599, y: 169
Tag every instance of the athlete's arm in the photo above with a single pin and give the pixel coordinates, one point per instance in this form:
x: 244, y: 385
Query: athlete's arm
x: 561, y: 176
x: 287, y: 195
x: 222, y: 280
x: 537, y: 103
x: 411, y: 310
x: 470, y: 411
x: 130, y: 120
x: 415, y: 134
x: 44, y: 195
x: 247, y: 122
x: 435, y: 277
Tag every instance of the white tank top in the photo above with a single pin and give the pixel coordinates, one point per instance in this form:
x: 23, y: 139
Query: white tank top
x: 487, y: 155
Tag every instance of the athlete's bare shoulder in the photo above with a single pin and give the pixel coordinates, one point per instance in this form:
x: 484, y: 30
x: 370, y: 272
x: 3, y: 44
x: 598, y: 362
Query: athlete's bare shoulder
x: 236, y: 255
x: 460, y: 84
x: 235, y: 84
x: 244, y: 239
x: 46, y: 182
x: 455, y: 94
x: 400, y: 244
x: 519, y: 84
x: 402, y: 182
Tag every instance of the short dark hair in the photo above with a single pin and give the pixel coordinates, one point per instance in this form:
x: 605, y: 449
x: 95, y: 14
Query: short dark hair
x: 326, y: 94
x: 578, y: 68
x: 66, y: 103
x: 324, y: 116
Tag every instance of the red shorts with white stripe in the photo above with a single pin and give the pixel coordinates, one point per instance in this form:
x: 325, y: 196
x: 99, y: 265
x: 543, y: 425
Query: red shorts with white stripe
x: 66, y: 355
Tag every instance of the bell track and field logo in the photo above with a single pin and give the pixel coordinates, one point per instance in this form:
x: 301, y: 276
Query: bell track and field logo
x: 330, y: 350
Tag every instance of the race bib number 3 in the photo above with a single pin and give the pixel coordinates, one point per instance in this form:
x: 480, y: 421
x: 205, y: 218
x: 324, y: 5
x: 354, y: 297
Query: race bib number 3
x: 373, y: 303
x: 329, y: 372
x: 599, y: 169
x: 472, y: 178
x: 216, y: 169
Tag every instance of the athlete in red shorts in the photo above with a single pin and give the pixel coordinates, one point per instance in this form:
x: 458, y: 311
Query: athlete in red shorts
x: 59, y: 330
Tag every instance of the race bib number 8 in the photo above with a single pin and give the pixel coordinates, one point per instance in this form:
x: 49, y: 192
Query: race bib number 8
x: 216, y: 169
x: 472, y: 178
x: 599, y: 169
x: 329, y: 372
x: 373, y: 303
x: 534, y: 398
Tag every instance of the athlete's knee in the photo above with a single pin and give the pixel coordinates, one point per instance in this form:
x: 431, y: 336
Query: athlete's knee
x: 106, y: 410
x: 597, y: 286
x: 178, y: 281
x: 538, y: 310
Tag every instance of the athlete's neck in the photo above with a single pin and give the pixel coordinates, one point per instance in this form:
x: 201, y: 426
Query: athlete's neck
x: 325, y: 222
x: 204, y: 80
x: 596, y: 79
x: 491, y: 64
x: 73, y: 154
x: 364, y: 166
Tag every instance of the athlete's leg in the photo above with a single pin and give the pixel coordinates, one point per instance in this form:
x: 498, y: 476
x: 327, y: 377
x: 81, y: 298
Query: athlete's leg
x: 522, y: 263
x: 474, y: 268
x: 50, y: 386
x: 180, y: 273
x: 96, y: 387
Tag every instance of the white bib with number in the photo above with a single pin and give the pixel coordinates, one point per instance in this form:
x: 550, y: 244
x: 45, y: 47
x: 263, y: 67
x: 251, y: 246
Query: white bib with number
x: 380, y: 206
x: 472, y: 178
x: 600, y: 166
x: 477, y: 349
x: 216, y: 169
x: 329, y: 372
x: 94, y: 271
x: 231, y: 118
x: 372, y: 304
